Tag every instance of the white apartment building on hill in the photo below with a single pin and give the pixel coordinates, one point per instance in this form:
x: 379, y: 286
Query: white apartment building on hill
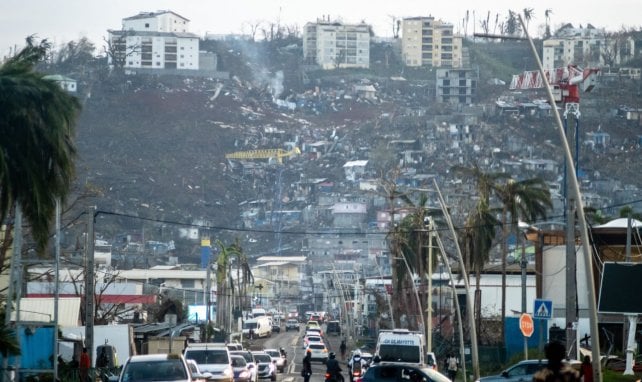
x: 155, y: 40
x: 586, y: 47
x: 429, y: 42
x: 335, y: 45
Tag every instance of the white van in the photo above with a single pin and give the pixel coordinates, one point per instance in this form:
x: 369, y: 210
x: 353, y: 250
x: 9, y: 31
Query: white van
x: 260, y: 326
x: 400, y: 345
x: 258, y: 312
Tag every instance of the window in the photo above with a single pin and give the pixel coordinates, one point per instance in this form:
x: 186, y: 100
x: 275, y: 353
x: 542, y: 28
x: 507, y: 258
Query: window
x: 187, y: 283
x: 146, y: 25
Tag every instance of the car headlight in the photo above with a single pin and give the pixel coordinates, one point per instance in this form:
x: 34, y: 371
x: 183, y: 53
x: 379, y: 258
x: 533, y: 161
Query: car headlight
x: 228, y: 372
x: 244, y: 374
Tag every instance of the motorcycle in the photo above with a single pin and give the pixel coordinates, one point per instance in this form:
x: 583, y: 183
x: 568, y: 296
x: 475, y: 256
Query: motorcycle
x: 333, y: 377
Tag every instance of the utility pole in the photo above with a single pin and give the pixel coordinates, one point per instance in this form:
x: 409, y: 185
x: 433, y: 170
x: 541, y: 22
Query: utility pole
x: 206, y: 259
x: 90, y: 288
x: 56, y: 289
x: 429, y: 307
x: 571, y: 256
x: 15, y: 281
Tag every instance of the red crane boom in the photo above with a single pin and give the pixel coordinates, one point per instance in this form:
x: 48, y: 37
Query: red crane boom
x: 566, y: 82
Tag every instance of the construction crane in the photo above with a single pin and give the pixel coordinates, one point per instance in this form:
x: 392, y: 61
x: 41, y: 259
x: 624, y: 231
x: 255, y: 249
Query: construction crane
x: 277, y: 154
x: 566, y: 83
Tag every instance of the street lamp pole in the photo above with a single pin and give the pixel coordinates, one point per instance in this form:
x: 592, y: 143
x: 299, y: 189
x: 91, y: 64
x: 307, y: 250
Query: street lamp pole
x: 429, y: 307
x: 464, y: 276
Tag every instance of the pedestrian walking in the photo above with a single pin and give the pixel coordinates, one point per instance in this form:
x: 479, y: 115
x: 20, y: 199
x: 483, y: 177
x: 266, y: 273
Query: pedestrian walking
x: 306, y: 370
x: 343, y: 349
x: 555, y: 371
x: 84, y: 365
x: 586, y: 369
x: 452, y: 363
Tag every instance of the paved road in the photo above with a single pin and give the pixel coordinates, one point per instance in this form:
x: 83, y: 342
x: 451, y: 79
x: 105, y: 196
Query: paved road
x: 292, y: 342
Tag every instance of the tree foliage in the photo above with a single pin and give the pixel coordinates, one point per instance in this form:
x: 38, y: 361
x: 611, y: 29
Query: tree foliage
x: 37, y: 151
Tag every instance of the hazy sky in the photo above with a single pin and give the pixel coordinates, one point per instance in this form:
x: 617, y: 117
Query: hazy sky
x: 64, y: 20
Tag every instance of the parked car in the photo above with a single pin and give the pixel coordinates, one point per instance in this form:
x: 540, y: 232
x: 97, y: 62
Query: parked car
x: 520, y: 372
x: 291, y: 324
x: 212, y: 358
x: 333, y: 327
x: 241, y: 371
x: 276, y: 328
x: 157, y: 367
x: 266, y: 367
x: 389, y: 371
x: 249, y: 360
x: 318, y: 352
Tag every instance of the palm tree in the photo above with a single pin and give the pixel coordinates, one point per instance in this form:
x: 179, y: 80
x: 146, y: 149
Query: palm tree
x: 480, y: 225
x: 414, y: 233
x: 529, y: 14
x: 37, y: 150
x: 225, y: 289
x: 527, y: 199
x: 547, y: 14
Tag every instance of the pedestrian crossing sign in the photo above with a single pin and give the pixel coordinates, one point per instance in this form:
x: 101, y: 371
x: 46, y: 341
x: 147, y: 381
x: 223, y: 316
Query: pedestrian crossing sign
x: 543, y: 309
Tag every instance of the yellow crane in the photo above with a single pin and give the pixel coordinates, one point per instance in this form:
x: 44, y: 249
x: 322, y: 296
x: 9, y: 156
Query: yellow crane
x: 279, y: 154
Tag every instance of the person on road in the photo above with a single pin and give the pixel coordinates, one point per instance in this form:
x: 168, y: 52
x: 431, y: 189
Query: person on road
x: 332, y: 367
x: 343, y: 349
x: 84, y: 365
x: 306, y: 371
x: 555, y: 371
x: 586, y: 369
x: 451, y: 361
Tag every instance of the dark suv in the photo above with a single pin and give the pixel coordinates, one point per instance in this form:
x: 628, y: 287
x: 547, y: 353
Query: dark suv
x: 333, y: 327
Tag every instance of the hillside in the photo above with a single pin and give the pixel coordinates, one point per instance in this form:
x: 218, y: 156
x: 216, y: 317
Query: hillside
x: 155, y: 146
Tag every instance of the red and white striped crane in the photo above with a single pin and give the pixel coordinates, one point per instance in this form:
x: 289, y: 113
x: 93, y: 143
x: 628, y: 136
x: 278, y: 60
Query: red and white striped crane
x: 566, y: 82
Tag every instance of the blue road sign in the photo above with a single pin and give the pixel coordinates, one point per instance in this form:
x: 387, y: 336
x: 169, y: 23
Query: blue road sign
x: 543, y: 309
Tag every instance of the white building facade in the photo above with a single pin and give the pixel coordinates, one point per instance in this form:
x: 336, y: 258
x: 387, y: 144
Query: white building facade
x: 429, y: 42
x: 586, y: 47
x: 155, y: 40
x: 334, y: 45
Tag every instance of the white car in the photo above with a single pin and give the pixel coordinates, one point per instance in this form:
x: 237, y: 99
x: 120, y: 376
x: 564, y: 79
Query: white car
x: 266, y: 367
x: 318, y: 352
x: 281, y: 362
x: 193, y: 368
x: 307, y: 340
x: 212, y: 358
x: 157, y: 367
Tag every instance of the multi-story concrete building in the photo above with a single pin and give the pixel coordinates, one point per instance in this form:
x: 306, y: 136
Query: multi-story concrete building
x: 587, y: 46
x: 155, y: 40
x: 429, y: 42
x: 456, y: 85
x: 333, y: 45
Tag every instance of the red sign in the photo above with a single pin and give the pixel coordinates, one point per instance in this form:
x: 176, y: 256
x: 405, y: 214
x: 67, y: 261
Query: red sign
x: 526, y: 324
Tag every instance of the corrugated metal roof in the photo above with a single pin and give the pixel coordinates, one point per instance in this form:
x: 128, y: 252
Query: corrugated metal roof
x: 39, y: 309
